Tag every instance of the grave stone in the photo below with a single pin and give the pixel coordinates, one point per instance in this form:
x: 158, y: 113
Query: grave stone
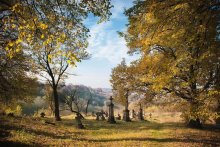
x: 111, y: 118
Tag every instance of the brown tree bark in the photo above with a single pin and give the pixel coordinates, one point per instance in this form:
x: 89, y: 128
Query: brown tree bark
x: 87, y: 105
x: 56, y: 104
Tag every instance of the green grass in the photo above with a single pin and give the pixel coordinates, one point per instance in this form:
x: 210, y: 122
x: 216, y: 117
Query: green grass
x: 32, y: 131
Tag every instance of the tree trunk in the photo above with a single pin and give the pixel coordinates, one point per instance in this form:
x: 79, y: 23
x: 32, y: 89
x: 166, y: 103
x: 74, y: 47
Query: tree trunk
x: 218, y: 88
x: 140, y: 114
x: 87, y: 105
x: 56, y: 104
x: 194, y: 103
x: 79, y: 122
x: 217, y: 121
x: 195, y: 123
x: 51, y: 108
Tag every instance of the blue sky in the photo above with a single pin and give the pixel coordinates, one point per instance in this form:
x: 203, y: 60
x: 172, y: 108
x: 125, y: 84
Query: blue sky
x: 106, y: 47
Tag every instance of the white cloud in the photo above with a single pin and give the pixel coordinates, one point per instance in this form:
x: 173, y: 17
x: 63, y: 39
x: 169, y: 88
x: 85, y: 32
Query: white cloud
x: 105, y: 42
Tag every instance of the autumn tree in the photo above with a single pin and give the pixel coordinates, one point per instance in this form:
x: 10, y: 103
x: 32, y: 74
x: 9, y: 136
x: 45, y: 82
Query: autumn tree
x: 53, y: 32
x: 127, y: 84
x: 179, y: 44
x: 32, y: 19
x: 121, y: 86
x: 17, y: 82
x: 137, y: 85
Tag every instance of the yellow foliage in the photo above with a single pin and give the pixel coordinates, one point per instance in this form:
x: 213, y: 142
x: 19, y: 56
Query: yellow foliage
x: 13, y: 26
x: 42, y: 36
x: 16, y: 110
x: 17, y: 50
x: 10, y: 44
x: 181, y: 6
x: 43, y: 26
x: 18, y: 41
x: 150, y: 18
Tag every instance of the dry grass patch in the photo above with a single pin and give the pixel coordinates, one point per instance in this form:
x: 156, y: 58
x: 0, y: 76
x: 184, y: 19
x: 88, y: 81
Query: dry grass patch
x: 32, y: 131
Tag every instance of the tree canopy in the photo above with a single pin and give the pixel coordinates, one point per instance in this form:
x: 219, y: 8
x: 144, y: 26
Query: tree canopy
x: 51, y: 31
x: 179, y: 46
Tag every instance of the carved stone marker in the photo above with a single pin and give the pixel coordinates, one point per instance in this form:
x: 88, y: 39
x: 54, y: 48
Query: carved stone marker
x: 119, y: 117
x: 97, y: 116
x: 111, y: 117
x: 106, y: 113
x: 132, y: 114
x: 150, y: 115
x: 100, y: 115
x: 140, y: 113
x: 126, y: 116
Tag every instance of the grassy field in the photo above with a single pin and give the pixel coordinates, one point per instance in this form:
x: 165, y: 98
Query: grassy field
x: 161, y: 130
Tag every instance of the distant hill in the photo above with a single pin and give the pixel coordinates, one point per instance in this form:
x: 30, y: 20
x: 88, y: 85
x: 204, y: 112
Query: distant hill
x: 99, y: 98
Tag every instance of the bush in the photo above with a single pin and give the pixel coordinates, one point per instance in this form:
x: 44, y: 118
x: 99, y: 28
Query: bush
x: 17, y: 111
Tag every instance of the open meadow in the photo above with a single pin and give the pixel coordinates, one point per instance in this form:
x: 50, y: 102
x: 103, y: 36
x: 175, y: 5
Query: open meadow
x: 158, y: 131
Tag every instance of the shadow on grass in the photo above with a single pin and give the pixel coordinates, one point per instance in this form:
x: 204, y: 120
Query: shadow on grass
x: 6, y: 143
x: 12, y: 144
x: 121, y: 126
x: 5, y: 129
x: 163, y: 140
x: 4, y: 133
x: 212, y: 128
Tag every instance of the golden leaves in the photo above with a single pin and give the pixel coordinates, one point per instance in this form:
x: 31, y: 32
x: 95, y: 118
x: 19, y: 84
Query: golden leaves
x: 49, y: 57
x: 150, y: 18
x: 180, y: 33
x: 13, y: 26
x: 10, y: 44
x: 213, y: 92
x: 42, y: 36
x: 181, y: 6
x: 43, y: 26
x: 18, y: 41
x: 16, y: 7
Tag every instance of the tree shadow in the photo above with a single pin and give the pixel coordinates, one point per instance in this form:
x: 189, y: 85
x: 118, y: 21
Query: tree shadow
x: 120, y: 125
x: 211, y: 128
x: 5, y: 129
x: 6, y: 143
x: 4, y: 134
x: 162, y: 140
